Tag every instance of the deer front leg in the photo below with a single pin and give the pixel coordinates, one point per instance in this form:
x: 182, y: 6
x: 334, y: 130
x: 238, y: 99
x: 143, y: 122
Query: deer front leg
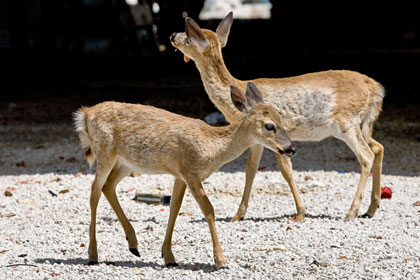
x: 176, y: 201
x: 207, y: 208
x: 285, y: 165
x: 116, y: 175
x: 254, y: 157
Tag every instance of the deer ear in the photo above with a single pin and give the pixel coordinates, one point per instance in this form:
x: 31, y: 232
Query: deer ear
x: 238, y: 99
x: 223, y: 29
x: 253, y: 94
x: 195, y: 35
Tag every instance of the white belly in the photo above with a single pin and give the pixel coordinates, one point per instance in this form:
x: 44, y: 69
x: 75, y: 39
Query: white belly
x: 314, y: 133
x: 139, y: 168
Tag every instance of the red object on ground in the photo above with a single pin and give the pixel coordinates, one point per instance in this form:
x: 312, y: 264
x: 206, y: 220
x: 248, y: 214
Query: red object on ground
x: 386, y: 192
x: 262, y: 167
x: 129, y: 190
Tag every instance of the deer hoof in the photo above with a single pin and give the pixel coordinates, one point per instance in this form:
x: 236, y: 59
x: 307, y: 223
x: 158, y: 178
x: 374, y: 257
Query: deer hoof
x: 171, y: 264
x: 366, y: 215
x: 135, y: 252
x: 92, y: 263
x: 237, y: 218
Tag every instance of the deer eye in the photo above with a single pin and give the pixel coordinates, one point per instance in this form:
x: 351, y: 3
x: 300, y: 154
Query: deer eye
x: 270, y: 127
x: 187, y: 41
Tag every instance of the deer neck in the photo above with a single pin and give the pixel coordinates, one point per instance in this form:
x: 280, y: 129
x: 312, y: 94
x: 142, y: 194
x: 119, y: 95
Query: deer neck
x: 230, y: 142
x: 217, y: 80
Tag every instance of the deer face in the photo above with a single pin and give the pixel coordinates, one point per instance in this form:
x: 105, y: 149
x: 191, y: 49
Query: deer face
x: 195, y: 42
x: 268, y: 128
x: 263, y: 121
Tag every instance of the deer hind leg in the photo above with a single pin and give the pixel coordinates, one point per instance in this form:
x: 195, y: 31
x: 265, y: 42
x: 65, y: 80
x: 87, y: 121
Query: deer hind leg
x: 285, y: 165
x: 117, y: 174
x: 254, y: 157
x: 364, y: 154
x: 104, y: 167
x: 207, y: 208
x: 176, y: 201
x: 378, y: 150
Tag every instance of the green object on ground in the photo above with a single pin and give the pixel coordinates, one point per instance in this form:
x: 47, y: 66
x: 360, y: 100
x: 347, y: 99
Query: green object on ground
x: 153, y: 199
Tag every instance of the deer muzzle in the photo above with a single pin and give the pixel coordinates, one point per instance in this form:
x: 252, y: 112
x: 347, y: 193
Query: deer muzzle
x: 291, y: 150
x: 172, y: 37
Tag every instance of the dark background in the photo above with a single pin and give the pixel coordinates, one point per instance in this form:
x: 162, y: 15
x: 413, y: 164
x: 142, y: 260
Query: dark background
x: 56, y: 55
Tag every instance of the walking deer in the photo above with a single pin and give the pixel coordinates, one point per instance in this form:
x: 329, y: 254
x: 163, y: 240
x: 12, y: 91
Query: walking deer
x: 125, y: 137
x: 342, y: 104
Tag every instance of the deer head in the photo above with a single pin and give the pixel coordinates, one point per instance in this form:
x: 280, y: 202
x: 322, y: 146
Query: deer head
x: 195, y: 42
x: 262, y: 120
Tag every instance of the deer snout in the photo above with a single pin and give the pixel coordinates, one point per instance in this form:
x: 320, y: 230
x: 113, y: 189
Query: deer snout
x: 290, y: 151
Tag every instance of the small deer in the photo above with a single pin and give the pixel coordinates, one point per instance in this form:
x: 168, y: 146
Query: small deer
x: 125, y: 137
x: 342, y: 104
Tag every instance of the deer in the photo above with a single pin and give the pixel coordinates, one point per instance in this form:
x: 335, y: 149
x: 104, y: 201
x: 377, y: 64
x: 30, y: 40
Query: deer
x: 124, y: 137
x: 339, y: 103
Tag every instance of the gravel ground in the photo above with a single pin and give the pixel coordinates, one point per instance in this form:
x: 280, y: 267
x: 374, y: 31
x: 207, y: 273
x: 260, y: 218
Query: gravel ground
x: 44, y: 236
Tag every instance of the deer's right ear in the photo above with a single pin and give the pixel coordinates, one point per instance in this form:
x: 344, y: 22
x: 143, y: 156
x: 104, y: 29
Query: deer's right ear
x: 223, y: 29
x: 238, y: 99
x: 195, y: 35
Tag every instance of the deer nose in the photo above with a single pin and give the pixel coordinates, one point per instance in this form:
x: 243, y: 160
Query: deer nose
x: 172, y: 36
x: 291, y: 151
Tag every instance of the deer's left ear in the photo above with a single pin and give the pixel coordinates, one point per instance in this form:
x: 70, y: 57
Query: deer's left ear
x: 223, y: 29
x: 239, y: 99
x: 253, y: 94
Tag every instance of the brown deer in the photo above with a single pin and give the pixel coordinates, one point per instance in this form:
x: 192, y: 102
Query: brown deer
x: 125, y: 137
x: 342, y: 104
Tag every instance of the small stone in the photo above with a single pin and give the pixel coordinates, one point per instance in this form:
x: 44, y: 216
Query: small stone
x: 8, y: 193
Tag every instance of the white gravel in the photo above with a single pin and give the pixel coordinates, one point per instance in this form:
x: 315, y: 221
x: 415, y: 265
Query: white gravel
x: 44, y: 237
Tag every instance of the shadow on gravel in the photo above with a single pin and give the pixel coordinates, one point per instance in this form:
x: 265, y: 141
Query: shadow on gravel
x: 324, y: 217
x: 274, y: 219
x: 328, y: 155
x: 205, y: 267
x: 289, y: 217
x: 55, y: 148
x: 113, y: 220
x: 81, y: 261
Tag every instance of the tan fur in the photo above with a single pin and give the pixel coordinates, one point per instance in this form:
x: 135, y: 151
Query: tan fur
x: 343, y: 104
x: 124, y: 137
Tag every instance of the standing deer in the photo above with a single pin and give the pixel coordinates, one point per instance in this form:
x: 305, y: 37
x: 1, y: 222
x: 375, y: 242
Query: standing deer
x: 342, y: 104
x: 125, y: 137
